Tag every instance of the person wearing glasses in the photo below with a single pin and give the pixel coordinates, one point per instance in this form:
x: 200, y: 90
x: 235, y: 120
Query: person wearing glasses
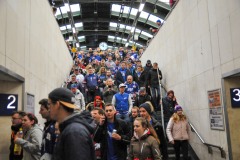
x: 16, y: 126
x: 31, y: 139
x: 113, y: 135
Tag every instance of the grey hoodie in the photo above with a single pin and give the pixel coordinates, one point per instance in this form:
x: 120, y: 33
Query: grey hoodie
x: 31, y: 143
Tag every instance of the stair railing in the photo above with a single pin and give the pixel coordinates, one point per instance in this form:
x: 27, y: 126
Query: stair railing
x: 209, y: 146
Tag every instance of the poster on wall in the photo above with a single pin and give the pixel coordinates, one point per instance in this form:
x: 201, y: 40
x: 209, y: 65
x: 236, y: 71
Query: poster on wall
x: 215, y: 110
x: 29, y: 103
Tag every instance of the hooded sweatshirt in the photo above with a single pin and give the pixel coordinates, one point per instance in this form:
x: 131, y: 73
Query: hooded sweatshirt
x: 75, y: 140
x: 31, y: 143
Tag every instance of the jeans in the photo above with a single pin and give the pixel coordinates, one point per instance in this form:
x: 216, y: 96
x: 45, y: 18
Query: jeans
x: 183, y: 144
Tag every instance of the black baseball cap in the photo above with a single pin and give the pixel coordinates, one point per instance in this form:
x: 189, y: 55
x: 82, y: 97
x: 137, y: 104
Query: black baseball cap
x: 64, y: 96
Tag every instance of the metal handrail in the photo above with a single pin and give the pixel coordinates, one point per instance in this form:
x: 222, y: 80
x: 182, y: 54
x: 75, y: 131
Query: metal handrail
x: 223, y: 153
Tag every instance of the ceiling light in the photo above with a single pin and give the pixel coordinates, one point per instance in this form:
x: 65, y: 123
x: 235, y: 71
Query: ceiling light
x: 77, y: 45
x: 155, y: 10
x: 126, y: 45
x: 67, y: 7
x: 141, y: 7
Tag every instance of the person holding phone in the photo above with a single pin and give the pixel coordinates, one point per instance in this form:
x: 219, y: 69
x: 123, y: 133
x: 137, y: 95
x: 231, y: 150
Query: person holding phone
x: 109, y: 90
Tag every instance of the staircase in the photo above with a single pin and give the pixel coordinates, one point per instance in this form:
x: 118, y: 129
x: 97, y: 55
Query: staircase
x: 191, y: 154
x: 171, y: 153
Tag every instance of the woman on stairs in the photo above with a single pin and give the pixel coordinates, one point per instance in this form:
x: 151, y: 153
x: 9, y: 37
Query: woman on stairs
x: 178, y: 132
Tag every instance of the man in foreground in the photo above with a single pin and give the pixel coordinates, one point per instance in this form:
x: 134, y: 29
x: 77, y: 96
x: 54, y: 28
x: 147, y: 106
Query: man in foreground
x: 75, y: 140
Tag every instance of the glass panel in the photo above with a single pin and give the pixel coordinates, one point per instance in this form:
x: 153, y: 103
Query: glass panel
x: 126, y: 9
x: 134, y: 11
x: 63, y: 28
x: 164, y: 1
x: 147, y: 34
x: 116, y: 8
x: 110, y: 36
x: 69, y: 26
x: 75, y: 7
x: 79, y: 24
x: 144, y: 15
x: 113, y: 24
x: 81, y: 37
x: 154, y: 18
x: 58, y: 12
x: 63, y: 10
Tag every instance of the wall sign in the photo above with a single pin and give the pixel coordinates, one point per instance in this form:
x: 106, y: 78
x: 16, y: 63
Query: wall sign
x: 8, y: 104
x: 29, y: 103
x: 235, y: 97
x: 215, y: 110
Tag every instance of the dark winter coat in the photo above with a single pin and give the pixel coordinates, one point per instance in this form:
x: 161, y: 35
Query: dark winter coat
x: 120, y: 146
x: 142, y: 99
x: 75, y: 140
x: 119, y: 78
x: 153, y: 77
x: 160, y: 133
x: 141, y: 80
x: 168, y: 108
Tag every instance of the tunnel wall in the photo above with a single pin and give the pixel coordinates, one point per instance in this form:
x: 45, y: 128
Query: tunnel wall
x: 198, y: 43
x: 32, y: 47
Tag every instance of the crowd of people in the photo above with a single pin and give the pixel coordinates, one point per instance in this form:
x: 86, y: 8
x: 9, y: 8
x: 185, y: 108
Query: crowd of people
x: 105, y: 112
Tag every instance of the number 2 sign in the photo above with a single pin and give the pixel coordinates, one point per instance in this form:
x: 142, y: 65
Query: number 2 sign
x: 235, y: 97
x: 8, y: 104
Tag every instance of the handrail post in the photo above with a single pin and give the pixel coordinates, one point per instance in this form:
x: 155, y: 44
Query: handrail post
x: 223, y: 153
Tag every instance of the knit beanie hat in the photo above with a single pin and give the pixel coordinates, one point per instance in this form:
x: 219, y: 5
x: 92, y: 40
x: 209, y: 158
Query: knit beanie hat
x: 147, y: 107
x: 178, y: 108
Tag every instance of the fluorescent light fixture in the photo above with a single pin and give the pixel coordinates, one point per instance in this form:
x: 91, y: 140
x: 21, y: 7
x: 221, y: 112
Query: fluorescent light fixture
x: 126, y: 45
x: 74, y: 30
x: 132, y: 30
x: 67, y: 7
x: 141, y: 7
x: 77, y: 45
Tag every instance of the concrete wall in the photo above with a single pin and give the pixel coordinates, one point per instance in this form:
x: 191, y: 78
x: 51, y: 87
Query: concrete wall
x: 31, y: 45
x: 199, y: 42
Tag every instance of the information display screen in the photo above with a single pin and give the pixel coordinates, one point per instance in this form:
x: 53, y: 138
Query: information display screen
x: 8, y: 104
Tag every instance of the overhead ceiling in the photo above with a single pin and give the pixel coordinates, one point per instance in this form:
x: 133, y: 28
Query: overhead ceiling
x: 108, y: 21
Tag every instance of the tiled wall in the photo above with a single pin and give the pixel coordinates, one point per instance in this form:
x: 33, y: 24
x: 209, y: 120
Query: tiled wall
x: 198, y: 43
x: 31, y: 45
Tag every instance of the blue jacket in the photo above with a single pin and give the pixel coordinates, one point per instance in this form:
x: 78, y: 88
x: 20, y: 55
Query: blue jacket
x: 91, y: 80
x: 131, y: 88
x: 122, y: 103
